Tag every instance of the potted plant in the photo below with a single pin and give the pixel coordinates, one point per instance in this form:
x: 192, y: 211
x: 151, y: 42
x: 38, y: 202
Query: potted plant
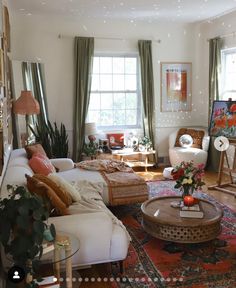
x: 23, y: 229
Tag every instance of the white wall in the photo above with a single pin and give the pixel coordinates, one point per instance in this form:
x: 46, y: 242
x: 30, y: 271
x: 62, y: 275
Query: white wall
x: 35, y: 38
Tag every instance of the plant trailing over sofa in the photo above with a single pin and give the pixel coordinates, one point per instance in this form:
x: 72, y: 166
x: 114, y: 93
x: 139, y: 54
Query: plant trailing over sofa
x: 23, y: 229
x: 53, y: 139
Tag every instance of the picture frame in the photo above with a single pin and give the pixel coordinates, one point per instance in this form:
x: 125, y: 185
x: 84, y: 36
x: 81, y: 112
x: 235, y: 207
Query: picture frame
x: 176, y: 86
x: 223, y: 119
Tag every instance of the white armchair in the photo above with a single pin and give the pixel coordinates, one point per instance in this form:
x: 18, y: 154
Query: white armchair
x: 179, y: 154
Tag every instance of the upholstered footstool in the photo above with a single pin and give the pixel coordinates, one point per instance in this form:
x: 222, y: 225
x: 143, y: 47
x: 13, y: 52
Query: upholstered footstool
x: 167, y: 172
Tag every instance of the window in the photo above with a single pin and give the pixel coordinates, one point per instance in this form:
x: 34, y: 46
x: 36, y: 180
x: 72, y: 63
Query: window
x: 228, y: 84
x: 115, y: 98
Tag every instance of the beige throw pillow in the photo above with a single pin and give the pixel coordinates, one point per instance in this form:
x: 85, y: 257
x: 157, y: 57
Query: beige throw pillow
x: 65, y: 185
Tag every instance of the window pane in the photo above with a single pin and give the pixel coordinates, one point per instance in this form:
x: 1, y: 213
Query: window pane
x: 106, y: 82
x: 106, y: 65
x: 118, y: 65
x: 130, y: 82
x: 94, y: 103
x: 106, y: 118
x: 106, y: 101
x: 119, y: 117
x: 95, y: 65
x: 118, y: 82
x: 119, y: 101
x: 95, y: 83
x: 131, y: 101
x: 131, y: 117
x: 94, y: 116
x: 130, y: 65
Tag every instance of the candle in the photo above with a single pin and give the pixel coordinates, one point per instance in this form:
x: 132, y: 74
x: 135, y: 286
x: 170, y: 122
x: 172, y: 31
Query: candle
x: 188, y: 200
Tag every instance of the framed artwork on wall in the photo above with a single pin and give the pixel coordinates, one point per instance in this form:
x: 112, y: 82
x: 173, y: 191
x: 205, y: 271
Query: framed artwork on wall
x: 176, y: 86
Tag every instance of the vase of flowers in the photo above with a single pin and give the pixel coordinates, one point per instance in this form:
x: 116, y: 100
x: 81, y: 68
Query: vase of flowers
x: 188, y: 177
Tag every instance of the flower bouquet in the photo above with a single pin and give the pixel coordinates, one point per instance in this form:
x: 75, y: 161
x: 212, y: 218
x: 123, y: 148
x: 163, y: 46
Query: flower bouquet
x: 188, y: 177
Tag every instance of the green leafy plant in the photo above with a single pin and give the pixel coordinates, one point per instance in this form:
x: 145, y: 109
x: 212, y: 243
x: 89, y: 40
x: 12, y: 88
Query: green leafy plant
x: 23, y: 229
x: 53, y: 139
x: 146, y: 142
x: 90, y: 149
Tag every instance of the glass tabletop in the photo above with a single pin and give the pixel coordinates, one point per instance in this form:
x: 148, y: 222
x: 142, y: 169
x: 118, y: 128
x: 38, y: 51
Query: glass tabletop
x: 66, y: 244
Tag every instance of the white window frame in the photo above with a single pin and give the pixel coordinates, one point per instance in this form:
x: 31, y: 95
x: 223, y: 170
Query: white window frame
x: 138, y: 91
x: 225, y: 52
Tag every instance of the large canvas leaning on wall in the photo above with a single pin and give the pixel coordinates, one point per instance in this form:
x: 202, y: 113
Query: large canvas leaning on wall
x: 223, y: 119
x: 176, y: 88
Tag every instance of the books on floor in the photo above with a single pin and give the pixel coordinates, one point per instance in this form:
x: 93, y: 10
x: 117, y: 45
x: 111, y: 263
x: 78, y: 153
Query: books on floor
x: 194, y: 211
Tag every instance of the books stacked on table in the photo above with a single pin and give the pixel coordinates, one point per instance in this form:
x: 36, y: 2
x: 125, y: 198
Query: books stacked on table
x: 194, y: 211
x: 49, y: 282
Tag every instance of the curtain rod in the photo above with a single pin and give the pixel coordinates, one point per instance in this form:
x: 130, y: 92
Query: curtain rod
x: 60, y: 36
x: 225, y: 35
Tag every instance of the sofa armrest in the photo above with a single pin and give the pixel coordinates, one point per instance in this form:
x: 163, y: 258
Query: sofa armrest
x: 205, y: 143
x: 63, y: 164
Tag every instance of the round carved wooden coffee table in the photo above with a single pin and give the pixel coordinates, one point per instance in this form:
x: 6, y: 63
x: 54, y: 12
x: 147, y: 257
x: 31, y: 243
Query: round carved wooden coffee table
x: 164, y: 222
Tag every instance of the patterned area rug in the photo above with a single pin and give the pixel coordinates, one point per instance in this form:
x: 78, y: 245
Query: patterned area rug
x: 156, y: 263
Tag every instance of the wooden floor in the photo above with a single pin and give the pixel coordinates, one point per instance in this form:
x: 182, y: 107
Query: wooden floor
x: 94, y: 276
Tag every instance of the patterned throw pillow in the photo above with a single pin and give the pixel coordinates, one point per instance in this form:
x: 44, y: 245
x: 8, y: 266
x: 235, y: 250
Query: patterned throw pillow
x: 60, y: 192
x: 197, y: 136
x: 49, y: 196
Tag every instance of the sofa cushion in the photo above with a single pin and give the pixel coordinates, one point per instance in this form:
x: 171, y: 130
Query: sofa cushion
x: 34, y: 148
x: 197, y: 136
x: 41, y: 189
x: 61, y: 193
x: 66, y: 186
x: 40, y: 163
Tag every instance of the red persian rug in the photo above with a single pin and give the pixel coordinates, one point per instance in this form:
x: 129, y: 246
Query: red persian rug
x: 156, y: 263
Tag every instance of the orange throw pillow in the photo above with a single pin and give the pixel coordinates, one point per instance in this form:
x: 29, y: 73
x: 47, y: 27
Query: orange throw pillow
x: 34, y: 148
x: 197, y: 136
x: 61, y: 193
x: 41, y: 164
x: 41, y: 189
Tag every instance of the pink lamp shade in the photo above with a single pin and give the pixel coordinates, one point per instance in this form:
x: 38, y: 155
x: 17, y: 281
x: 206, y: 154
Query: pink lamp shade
x: 26, y: 104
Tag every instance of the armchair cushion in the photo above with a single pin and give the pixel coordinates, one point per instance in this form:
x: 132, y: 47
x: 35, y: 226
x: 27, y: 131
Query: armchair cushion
x: 197, y: 136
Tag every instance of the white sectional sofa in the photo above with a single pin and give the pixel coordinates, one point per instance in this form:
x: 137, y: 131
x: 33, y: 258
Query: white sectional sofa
x: 101, y: 238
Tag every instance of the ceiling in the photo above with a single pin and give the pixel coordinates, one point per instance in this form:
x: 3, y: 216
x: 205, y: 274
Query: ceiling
x: 128, y: 10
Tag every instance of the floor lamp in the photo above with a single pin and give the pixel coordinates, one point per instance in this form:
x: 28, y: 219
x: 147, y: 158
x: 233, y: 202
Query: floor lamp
x: 26, y: 105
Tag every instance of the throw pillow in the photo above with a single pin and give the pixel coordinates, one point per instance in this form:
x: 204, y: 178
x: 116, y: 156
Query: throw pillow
x: 197, y: 136
x: 61, y: 193
x: 34, y: 148
x: 50, y: 198
x: 65, y: 185
x: 40, y: 163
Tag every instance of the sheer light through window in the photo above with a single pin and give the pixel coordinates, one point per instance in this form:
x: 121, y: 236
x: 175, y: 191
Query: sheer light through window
x: 114, y: 96
x: 228, y: 87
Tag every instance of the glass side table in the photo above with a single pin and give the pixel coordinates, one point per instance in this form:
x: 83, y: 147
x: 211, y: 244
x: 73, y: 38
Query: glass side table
x: 65, y: 246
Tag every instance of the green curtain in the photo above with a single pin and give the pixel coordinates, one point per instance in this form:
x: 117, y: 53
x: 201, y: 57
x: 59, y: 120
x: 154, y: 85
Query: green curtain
x: 145, y: 55
x: 33, y: 79
x: 215, y: 46
x: 84, y: 51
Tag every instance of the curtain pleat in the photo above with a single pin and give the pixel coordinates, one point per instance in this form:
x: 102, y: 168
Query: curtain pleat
x: 84, y: 51
x: 215, y: 45
x: 145, y: 55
